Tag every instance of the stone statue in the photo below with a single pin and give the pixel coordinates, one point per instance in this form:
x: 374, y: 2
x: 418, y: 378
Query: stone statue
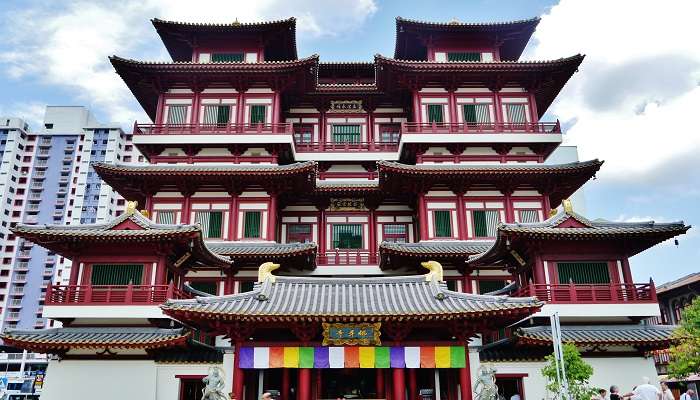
x: 485, y: 387
x: 214, y: 385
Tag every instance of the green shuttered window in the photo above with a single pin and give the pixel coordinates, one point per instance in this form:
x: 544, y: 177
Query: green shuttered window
x: 485, y: 222
x: 116, y: 274
x: 443, y: 223
x: 206, y: 287
x: 435, y: 113
x: 257, y: 114
x: 476, y: 113
x: 227, y: 57
x: 346, y: 133
x: 583, y: 272
x: 347, y: 236
x: 177, y: 114
x: 211, y: 222
x: 463, y: 56
x: 165, y: 217
x: 251, y: 227
x: 216, y: 114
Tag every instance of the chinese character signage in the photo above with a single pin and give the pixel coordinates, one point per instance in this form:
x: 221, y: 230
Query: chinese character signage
x: 347, y: 204
x: 346, y: 106
x: 363, y: 334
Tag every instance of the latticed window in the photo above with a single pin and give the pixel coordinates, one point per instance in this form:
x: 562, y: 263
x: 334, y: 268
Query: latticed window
x: 395, y: 233
x: 529, y: 216
x: 443, y: 223
x: 583, y: 272
x: 463, y: 56
x: 299, y: 233
x: 347, y: 236
x: 389, y: 133
x: 206, y: 287
x: 257, y: 114
x: 516, y: 113
x: 476, y: 113
x: 177, y: 114
x: 251, y: 224
x: 217, y: 115
x: 346, y: 133
x: 227, y: 57
x: 211, y: 222
x: 488, y: 286
x: 116, y: 274
x: 165, y: 217
x: 303, y: 134
x: 435, y: 113
x: 485, y: 222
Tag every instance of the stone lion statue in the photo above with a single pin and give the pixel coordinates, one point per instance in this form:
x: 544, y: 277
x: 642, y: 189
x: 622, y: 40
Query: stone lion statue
x: 214, y: 385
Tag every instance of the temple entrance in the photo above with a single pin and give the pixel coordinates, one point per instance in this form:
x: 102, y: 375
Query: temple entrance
x: 350, y: 383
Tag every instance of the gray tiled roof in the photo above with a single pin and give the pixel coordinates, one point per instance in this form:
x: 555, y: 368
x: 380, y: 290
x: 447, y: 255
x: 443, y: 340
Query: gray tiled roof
x: 94, y: 337
x: 600, y: 334
x: 438, y: 247
x: 487, y: 168
x: 401, y: 297
x: 176, y: 169
x: 243, y: 249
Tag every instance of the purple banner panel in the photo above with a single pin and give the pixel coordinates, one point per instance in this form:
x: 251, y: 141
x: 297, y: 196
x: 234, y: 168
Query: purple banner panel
x: 245, y: 357
x: 397, y: 357
x: 321, y: 357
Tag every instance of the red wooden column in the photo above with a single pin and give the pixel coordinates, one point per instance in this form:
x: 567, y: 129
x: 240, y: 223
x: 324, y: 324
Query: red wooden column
x: 423, y: 216
x: 74, y: 271
x: 462, y: 232
x: 285, y: 384
x: 508, y: 199
x: 185, y: 218
x: 372, y: 245
x: 465, y: 377
x: 539, y: 270
x: 380, y: 383
x: 304, y: 384
x: 321, y: 228
x: 276, y: 107
x: 272, y: 217
x: 399, y: 392
x: 160, y: 271
x: 412, y: 384
x: 238, y: 374
x: 626, y: 272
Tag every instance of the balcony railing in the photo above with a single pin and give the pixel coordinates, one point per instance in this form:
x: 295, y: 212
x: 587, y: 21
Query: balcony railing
x: 310, y: 147
x: 213, y: 129
x: 112, y: 294
x: 491, y: 127
x: 595, y: 293
x: 348, y: 257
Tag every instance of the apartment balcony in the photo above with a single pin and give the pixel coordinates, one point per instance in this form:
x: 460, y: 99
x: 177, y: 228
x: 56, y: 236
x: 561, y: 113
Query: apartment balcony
x: 24, y: 254
x: 212, y: 129
x: 20, y: 278
x: 22, y: 267
x: 613, y: 293
x: 62, y: 295
x: 13, y: 316
x: 348, y: 257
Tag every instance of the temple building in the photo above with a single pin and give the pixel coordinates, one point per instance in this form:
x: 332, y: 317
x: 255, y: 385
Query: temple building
x: 343, y: 230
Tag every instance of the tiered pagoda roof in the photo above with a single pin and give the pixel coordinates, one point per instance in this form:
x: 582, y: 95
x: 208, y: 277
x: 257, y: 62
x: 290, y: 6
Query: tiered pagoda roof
x: 567, y: 225
x: 298, y: 255
x: 396, y: 255
x: 398, y: 298
x: 412, y: 34
x: 639, y: 335
x: 181, y: 38
x: 60, y: 340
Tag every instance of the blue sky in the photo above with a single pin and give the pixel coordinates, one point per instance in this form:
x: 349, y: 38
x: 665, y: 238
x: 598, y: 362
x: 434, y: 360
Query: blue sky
x: 630, y: 104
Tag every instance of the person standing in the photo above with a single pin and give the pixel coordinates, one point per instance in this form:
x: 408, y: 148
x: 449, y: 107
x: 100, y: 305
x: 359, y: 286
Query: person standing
x: 615, y: 393
x: 645, y: 391
x: 688, y: 395
x: 666, y: 393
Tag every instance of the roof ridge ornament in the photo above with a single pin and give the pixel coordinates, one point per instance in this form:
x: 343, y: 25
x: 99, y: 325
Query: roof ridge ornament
x: 568, y: 206
x: 265, y: 272
x: 435, y: 269
x: 131, y: 207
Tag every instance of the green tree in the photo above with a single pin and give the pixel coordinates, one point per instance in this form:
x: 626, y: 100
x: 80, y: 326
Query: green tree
x: 685, y: 353
x: 578, y: 372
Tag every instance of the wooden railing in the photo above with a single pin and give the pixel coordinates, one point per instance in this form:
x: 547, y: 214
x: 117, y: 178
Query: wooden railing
x: 112, y: 294
x: 348, y: 257
x: 310, y: 147
x: 213, y: 129
x: 598, y: 293
x: 491, y: 127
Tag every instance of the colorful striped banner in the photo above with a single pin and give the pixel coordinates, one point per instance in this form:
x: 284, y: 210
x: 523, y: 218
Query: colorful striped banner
x: 352, y: 357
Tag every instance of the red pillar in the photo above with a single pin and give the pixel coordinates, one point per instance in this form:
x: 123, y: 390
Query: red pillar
x: 318, y: 387
x: 304, y: 385
x: 412, y: 384
x: 240, y: 108
x: 233, y: 217
x: 322, y: 230
x: 238, y: 374
x: 276, y: 108
x: 380, y: 383
x: 160, y: 271
x: 272, y: 217
x: 399, y: 384
x: 465, y: 380
x: 423, y: 217
x: 510, y: 212
x: 626, y: 272
x: 372, y: 245
x: 539, y: 271
x: 185, y: 219
x: 462, y: 232
x: 74, y: 271
x: 285, y: 384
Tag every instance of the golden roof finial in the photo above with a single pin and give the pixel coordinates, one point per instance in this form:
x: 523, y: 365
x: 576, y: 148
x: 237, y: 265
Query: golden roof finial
x: 265, y: 272
x: 144, y: 213
x: 454, y: 21
x: 131, y: 207
x: 435, y: 269
x: 568, y: 208
x: 236, y: 22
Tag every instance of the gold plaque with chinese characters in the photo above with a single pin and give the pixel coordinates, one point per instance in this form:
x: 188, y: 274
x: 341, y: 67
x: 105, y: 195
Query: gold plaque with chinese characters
x: 362, y: 334
x: 346, y: 106
x: 347, y: 204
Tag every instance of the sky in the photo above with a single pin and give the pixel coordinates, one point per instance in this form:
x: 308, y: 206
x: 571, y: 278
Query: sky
x: 632, y: 103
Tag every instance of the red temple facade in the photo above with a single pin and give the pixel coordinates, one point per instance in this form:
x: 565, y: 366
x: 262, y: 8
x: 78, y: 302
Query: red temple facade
x: 349, y: 181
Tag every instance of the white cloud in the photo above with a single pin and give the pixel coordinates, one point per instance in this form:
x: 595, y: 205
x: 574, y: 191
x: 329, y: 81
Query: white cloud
x: 31, y: 112
x: 67, y: 47
x: 635, y: 98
